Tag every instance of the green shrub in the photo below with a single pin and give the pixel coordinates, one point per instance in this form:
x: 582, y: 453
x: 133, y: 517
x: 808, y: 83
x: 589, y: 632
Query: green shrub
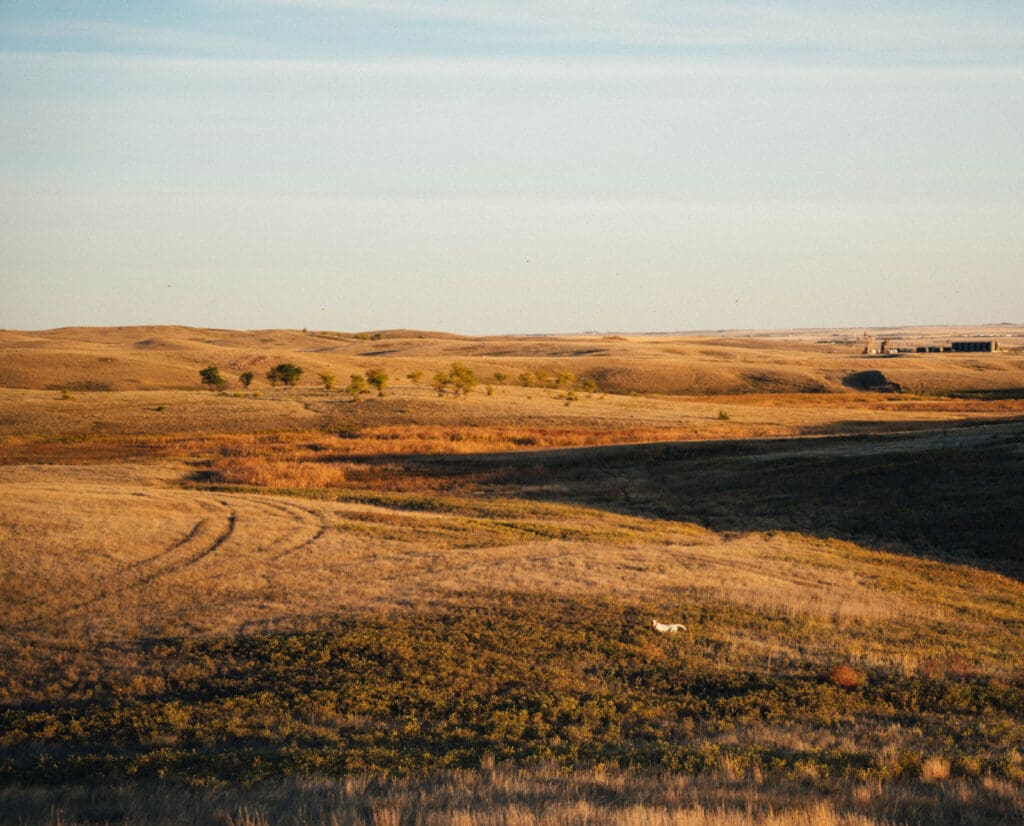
x: 377, y: 378
x: 286, y: 373
x: 211, y: 377
x: 357, y: 386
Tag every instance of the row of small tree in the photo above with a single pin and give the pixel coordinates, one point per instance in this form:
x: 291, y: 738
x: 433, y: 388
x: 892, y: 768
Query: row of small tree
x: 458, y: 380
x: 359, y: 385
x: 286, y: 373
x: 561, y: 380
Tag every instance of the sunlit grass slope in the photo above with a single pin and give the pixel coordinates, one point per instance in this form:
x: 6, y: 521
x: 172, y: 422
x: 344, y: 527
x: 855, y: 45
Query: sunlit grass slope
x: 293, y: 607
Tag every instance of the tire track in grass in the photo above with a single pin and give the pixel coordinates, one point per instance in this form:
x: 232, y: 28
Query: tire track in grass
x: 300, y: 516
x: 210, y: 533
x: 189, y: 537
x: 199, y: 555
x: 123, y: 585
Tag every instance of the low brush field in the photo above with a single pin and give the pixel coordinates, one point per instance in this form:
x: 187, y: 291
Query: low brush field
x: 274, y: 605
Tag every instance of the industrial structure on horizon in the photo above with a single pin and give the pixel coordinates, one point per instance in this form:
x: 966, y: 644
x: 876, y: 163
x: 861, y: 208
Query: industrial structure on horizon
x: 890, y: 348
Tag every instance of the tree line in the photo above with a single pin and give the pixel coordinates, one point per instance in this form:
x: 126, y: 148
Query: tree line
x: 458, y: 380
x: 288, y: 374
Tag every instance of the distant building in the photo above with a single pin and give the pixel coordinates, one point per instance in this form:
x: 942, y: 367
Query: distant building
x: 975, y: 346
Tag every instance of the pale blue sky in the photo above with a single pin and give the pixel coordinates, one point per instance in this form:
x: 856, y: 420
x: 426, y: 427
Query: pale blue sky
x: 492, y: 167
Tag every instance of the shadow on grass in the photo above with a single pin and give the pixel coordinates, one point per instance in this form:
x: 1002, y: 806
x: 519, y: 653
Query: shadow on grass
x: 998, y: 394
x: 952, y: 494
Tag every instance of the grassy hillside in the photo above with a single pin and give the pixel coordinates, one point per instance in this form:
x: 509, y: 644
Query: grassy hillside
x: 299, y: 608
x: 133, y: 358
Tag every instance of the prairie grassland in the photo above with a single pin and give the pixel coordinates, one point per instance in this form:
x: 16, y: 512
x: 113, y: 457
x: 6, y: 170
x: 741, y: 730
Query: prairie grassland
x: 216, y: 633
x: 40, y: 426
x: 146, y: 358
x: 499, y: 796
x: 294, y: 608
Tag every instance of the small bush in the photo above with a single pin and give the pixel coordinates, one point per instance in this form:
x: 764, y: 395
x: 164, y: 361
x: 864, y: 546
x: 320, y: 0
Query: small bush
x: 845, y: 676
x: 934, y: 768
x: 377, y: 378
x: 357, y: 386
x: 441, y: 382
x: 460, y: 379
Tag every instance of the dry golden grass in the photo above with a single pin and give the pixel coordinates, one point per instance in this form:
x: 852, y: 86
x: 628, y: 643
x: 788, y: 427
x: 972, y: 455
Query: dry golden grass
x: 497, y: 796
x: 131, y: 358
x: 108, y: 394
x: 151, y: 559
x: 934, y: 769
x: 40, y: 427
x: 146, y: 515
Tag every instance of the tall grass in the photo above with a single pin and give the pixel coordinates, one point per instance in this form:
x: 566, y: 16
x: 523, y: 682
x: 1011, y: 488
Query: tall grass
x: 502, y: 796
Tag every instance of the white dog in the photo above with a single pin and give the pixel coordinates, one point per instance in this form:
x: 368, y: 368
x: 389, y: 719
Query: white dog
x: 671, y: 628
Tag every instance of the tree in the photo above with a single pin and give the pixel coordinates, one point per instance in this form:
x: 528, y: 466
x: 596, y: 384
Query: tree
x: 356, y: 387
x: 328, y: 380
x: 378, y: 378
x: 462, y: 379
x: 416, y: 376
x: 589, y: 386
x: 246, y: 379
x: 441, y: 382
x: 286, y: 372
x: 212, y: 377
x: 499, y: 378
x: 565, y: 380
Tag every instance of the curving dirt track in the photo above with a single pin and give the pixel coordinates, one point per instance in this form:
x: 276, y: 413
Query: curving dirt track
x: 81, y: 545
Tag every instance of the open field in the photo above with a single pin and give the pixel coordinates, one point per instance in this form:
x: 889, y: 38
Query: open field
x: 280, y: 605
x: 145, y: 358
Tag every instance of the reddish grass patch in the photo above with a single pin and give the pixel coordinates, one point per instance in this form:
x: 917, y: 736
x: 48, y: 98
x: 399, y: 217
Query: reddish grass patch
x: 845, y: 676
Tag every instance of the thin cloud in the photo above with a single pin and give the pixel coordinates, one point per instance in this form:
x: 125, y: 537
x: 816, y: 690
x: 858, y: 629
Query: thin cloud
x: 725, y: 25
x: 507, y: 68
x: 742, y: 30
x: 121, y: 35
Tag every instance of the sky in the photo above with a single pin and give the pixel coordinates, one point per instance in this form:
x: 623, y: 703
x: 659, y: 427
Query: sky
x: 489, y: 167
